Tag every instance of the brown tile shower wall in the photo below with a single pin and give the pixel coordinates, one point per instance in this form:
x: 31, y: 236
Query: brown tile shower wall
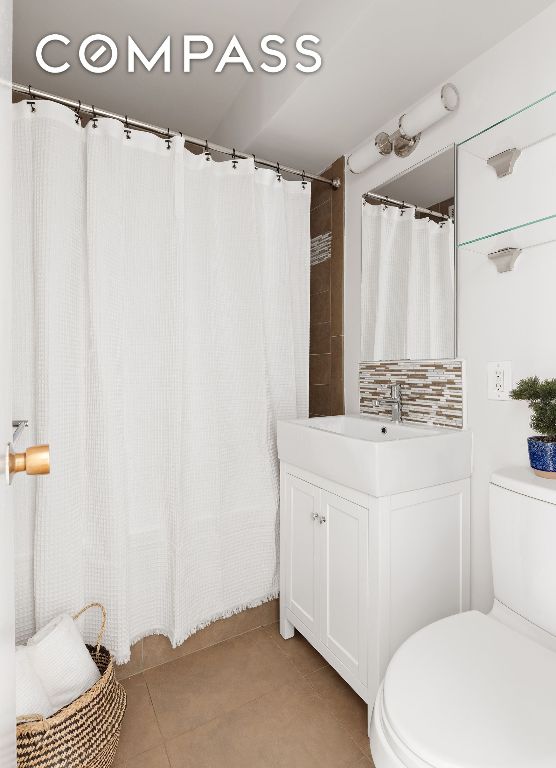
x: 326, y: 377
x: 432, y: 390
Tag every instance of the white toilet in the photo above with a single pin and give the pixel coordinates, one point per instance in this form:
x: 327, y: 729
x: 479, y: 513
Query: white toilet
x: 475, y: 690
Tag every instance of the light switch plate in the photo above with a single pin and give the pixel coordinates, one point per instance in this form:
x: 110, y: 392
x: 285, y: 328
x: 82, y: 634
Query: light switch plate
x: 499, y: 380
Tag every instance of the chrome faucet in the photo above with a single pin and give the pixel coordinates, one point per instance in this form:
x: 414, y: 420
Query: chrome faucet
x: 394, y: 400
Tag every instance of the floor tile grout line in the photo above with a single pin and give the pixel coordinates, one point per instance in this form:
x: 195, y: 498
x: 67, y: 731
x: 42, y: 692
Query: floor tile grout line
x: 340, y: 722
x: 166, y: 753
x: 191, y: 653
x: 248, y: 701
x: 306, y: 676
x: 186, y: 655
x: 155, y: 716
x: 182, y: 657
x: 129, y: 762
x: 359, y: 747
x: 283, y: 650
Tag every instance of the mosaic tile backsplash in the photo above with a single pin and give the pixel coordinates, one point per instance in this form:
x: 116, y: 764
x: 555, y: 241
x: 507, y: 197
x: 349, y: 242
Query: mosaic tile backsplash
x: 432, y: 390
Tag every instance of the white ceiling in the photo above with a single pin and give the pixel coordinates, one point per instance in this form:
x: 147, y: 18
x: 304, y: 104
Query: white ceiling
x: 378, y: 59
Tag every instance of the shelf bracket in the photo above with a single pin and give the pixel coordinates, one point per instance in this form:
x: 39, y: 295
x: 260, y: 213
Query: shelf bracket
x: 503, y: 163
x: 505, y: 258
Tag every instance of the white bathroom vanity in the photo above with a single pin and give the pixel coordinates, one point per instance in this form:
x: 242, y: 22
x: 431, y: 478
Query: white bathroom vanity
x: 374, y: 536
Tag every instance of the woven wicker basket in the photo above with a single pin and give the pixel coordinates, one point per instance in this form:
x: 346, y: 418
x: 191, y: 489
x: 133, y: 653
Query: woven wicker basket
x: 85, y: 733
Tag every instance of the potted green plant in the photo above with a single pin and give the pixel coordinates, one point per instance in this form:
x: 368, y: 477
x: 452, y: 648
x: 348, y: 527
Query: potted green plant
x: 541, y: 396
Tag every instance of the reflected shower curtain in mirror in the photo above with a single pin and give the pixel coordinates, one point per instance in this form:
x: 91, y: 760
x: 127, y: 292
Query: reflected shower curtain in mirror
x: 161, y: 327
x: 407, y: 285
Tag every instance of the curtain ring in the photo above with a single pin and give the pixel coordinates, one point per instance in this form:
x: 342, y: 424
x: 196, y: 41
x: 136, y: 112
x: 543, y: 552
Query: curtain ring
x: 127, y: 129
x: 207, y: 151
x: 234, y: 159
x: 255, y: 162
x: 168, y: 139
x: 77, y: 112
x: 94, y: 118
x: 278, y: 172
x: 303, y: 181
x: 31, y: 100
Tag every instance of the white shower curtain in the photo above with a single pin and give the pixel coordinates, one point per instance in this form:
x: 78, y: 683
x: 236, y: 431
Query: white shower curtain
x: 161, y: 328
x: 407, y: 286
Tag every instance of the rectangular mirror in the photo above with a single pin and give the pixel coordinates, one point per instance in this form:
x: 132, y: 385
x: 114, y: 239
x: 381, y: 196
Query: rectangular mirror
x: 408, y: 264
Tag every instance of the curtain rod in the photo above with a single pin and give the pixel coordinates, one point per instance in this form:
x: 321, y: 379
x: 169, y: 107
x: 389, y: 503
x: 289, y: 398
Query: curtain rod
x: 166, y: 132
x: 406, y: 205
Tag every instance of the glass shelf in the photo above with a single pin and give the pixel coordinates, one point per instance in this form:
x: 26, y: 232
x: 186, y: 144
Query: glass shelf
x: 503, y: 205
x: 522, y: 129
x: 526, y: 235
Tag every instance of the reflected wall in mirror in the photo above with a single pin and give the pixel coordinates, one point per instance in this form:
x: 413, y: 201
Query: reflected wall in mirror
x: 408, y: 264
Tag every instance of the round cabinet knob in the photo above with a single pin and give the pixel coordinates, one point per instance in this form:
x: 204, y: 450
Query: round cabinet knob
x: 34, y: 461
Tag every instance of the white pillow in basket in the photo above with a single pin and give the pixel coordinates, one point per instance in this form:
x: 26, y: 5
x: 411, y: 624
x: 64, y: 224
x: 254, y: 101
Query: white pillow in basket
x: 62, y: 662
x: 30, y: 696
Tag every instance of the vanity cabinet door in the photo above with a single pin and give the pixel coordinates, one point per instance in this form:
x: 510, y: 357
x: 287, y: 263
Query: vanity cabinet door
x: 343, y: 526
x: 302, y: 509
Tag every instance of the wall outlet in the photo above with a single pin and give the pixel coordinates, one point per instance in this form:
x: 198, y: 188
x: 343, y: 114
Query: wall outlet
x: 499, y: 380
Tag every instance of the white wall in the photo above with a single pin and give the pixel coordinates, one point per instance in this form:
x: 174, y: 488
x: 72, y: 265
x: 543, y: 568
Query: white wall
x: 501, y: 317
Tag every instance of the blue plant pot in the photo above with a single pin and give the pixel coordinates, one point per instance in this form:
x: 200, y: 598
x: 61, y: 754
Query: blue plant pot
x: 542, y: 456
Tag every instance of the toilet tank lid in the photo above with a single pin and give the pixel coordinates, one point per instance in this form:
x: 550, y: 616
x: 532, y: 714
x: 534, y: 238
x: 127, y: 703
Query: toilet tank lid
x: 523, y: 480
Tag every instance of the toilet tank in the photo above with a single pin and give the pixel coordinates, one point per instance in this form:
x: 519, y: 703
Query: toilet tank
x: 523, y: 544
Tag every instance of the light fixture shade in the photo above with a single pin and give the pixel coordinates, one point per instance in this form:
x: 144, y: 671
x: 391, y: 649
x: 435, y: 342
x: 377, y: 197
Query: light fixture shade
x: 430, y: 110
x: 403, y: 141
x: 363, y: 157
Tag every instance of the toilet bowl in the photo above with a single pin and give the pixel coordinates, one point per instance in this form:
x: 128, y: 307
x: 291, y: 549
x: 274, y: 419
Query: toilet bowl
x: 476, y: 690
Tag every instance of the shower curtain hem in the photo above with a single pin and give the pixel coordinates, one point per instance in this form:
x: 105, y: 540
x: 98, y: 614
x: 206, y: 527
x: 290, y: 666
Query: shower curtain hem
x: 124, y: 659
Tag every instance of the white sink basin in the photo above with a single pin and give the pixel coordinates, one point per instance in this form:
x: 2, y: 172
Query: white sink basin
x: 373, y: 455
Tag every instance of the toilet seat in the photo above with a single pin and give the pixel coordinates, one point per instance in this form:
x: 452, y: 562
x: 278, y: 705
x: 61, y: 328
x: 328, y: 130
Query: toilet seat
x: 467, y: 692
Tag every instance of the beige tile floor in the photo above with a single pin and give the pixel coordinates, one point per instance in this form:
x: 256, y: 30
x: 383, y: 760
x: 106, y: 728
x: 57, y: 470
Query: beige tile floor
x: 251, y: 701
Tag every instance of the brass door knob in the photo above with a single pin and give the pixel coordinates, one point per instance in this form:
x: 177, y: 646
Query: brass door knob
x: 34, y: 461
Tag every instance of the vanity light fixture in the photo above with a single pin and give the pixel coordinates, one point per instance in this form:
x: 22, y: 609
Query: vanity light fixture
x: 410, y: 126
